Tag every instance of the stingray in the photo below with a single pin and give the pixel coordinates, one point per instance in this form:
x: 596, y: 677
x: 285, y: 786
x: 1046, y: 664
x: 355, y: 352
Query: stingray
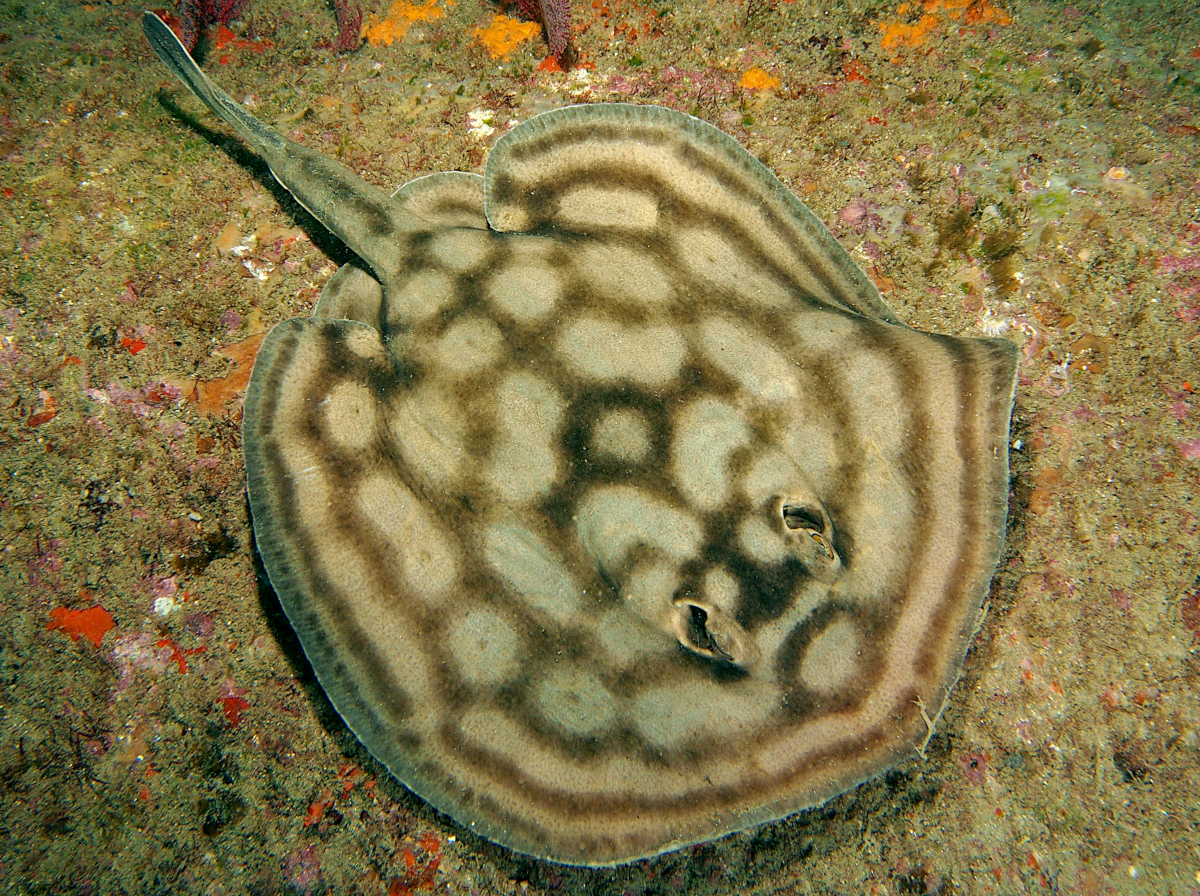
x: 613, y: 508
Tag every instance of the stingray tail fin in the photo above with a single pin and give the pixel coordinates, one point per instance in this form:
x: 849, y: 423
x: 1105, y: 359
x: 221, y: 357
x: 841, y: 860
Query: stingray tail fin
x: 167, y: 47
x: 362, y: 216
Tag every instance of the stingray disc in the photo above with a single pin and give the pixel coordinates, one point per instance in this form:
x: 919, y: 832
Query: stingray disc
x: 612, y: 506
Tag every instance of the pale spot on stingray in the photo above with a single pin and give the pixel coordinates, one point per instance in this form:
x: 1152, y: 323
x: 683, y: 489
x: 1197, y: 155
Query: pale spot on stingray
x: 610, y: 352
x: 881, y: 552
x: 305, y: 468
x: 492, y: 730
x: 461, y: 251
x: 831, y: 659
x: 530, y: 568
x: 714, y: 261
x: 469, y: 346
x: 527, y: 291
x: 616, y: 273
x: 485, y: 647
x: 342, y: 566
x: 676, y: 716
x: 626, y: 640
x: 429, y: 565
x: 649, y: 591
x: 427, y: 427
x: 407, y: 664
x: 621, y: 434
x: 707, y: 432
x: 872, y: 379
x: 302, y: 457
x: 760, y: 542
x: 353, y: 294
x: 525, y: 459
x: 770, y: 473
x: 575, y: 701
x: 761, y: 371
x: 806, y: 598
x: 349, y: 415
x: 811, y: 445
x: 423, y: 295
x: 590, y: 206
x: 512, y: 218
x: 826, y: 333
x: 613, y: 520
x: 721, y: 588
x: 365, y: 343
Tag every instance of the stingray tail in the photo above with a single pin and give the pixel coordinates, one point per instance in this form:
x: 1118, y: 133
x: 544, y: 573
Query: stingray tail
x: 175, y: 56
x: 361, y: 215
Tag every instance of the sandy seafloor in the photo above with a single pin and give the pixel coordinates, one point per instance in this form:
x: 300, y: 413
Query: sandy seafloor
x: 1031, y: 170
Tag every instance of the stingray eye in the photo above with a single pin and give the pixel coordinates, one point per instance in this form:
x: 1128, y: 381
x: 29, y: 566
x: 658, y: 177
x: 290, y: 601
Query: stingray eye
x: 798, y: 516
x: 695, y: 634
x: 710, y: 631
x: 809, y: 531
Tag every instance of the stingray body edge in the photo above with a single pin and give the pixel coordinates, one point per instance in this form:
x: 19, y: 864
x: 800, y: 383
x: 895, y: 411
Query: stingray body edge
x: 613, y: 508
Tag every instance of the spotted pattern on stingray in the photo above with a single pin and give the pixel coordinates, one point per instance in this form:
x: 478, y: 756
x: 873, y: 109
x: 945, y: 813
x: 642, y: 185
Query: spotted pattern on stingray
x: 613, y: 508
